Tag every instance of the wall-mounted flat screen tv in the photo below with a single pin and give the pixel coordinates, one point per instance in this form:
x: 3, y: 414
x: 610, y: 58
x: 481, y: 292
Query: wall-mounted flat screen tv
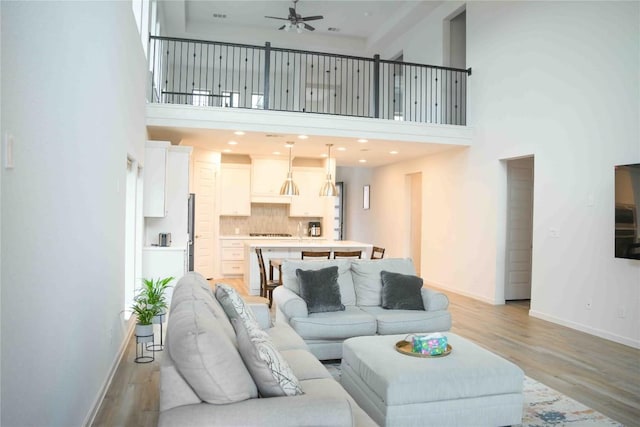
x: 627, y: 208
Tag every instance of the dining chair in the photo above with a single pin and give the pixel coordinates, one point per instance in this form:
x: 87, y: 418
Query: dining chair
x: 347, y: 254
x: 316, y: 254
x: 377, y: 252
x: 266, y: 286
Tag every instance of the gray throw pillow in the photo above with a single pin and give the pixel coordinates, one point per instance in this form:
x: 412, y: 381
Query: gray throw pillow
x: 401, y: 291
x: 320, y: 289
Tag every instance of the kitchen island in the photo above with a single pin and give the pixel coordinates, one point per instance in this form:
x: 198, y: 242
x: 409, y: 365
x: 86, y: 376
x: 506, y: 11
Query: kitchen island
x: 290, y: 249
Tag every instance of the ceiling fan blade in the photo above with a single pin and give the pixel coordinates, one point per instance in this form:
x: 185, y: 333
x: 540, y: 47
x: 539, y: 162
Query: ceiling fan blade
x: 312, y: 18
x: 309, y: 27
x: 275, y: 17
x: 282, y: 28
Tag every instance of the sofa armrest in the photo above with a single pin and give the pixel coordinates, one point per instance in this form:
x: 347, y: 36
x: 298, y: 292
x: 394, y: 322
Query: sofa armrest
x: 261, y: 311
x: 434, y: 300
x: 285, y: 411
x: 289, y: 303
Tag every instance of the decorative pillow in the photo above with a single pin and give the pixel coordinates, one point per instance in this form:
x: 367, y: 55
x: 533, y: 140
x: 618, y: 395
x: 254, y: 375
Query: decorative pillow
x: 401, y: 291
x: 366, y: 277
x: 234, y: 305
x: 347, y: 291
x: 320, y: 289
x: 270, y: 371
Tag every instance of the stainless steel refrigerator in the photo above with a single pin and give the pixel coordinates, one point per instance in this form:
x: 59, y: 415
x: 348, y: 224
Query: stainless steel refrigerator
x: 191, y: 228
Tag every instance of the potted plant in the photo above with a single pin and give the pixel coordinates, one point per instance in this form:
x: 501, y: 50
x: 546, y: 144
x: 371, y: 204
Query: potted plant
x: 154, y: 292
x: 145, y: 313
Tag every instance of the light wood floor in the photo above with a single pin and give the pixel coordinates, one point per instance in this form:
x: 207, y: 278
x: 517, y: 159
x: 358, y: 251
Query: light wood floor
x: 599, y: 373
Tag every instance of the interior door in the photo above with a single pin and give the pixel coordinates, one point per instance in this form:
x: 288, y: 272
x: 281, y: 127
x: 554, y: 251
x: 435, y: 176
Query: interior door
x: 519, y: 229
x: 204, y: 183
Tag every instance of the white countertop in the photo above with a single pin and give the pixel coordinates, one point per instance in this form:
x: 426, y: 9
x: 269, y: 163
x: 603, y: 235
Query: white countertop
x: 305, y: 243
x: 247, y: 237
x: 164, y: 248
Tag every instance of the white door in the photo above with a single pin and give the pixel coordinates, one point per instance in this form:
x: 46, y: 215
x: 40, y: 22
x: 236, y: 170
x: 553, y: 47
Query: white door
x: 519, y: 229
x: 204, y: 183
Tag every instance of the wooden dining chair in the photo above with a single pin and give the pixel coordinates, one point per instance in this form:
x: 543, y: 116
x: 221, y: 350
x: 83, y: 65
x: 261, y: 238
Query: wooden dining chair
x: 347, y: 254
x: 266, y: 286
x: 316, y: 254
x: 377, y: 252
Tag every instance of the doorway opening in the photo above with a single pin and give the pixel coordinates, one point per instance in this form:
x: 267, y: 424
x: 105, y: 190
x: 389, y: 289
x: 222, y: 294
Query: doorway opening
x: 519, y: 229
x: 455, y: 39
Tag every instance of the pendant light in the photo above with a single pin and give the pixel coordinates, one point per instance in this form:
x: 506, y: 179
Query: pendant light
x: 289, y: 188
x: 329, y: 189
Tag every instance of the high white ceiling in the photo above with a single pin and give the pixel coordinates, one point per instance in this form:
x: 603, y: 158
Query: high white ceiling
x: 362, y: 26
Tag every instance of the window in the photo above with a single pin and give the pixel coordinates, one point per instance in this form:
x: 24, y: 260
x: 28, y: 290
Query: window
x: 230, y: 99
x: 257, y: 101
x: 200, y: 97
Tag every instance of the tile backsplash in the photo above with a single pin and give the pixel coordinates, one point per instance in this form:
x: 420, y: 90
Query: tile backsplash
x: 265, y: 218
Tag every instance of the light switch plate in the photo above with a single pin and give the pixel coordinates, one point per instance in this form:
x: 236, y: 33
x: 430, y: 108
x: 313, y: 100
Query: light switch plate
x: 8, y: 151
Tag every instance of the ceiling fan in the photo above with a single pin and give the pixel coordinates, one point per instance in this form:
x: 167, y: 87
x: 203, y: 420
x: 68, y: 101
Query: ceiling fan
x: 296, y: 20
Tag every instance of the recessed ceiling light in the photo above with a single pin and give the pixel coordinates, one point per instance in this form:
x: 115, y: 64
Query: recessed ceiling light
x: 342, y: 149
x: 227, y: 150
x: 367, y: 13
x: 238, y: 132
x: 362, y: 161
x: 303, y: 136
x: 276, y: 153
x: 362, y: 140
x: 323, y: 155
x: 232, y: 143
x: 393, y: 152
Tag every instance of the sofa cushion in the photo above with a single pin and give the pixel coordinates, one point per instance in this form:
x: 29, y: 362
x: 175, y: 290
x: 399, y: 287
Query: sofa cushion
x: 320, y: 290
x: 367, y: 281
x: 401, y: 291
x: 335, y: 325
x: 391, y: 322
x: 305, y: 365
x: 270, y: 371
x: 205, y: 356
x: 190, y: 290
x: 290, y: 280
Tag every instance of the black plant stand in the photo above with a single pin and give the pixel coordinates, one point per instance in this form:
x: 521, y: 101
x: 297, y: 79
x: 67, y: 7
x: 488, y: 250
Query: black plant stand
x: 158, y: 347
x: 142, y: 345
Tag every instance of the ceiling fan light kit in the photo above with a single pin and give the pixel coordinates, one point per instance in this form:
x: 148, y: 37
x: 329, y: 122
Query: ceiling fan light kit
x: 296, y: 20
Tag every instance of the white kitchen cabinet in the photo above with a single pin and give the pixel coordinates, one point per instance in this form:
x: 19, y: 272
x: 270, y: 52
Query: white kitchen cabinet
x: 232, y: 257
x: 267, y: 176
x: 309, y: 203
x: 155, y: 178
x: 160, y: 262
x: 235, y: 189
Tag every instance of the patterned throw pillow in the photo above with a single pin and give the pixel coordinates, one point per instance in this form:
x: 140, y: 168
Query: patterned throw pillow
x: 270, y: 371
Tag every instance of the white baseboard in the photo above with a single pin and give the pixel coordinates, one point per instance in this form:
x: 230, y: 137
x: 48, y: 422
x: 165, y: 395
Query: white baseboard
x: 587, y: 329
x: 461, y: 292
x: 91, y: 416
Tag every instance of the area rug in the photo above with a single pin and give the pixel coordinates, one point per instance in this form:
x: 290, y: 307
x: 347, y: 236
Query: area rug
x: 543, y: 406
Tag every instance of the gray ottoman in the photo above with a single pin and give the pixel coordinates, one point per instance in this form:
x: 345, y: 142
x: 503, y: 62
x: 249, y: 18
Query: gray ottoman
x: 469, y: 387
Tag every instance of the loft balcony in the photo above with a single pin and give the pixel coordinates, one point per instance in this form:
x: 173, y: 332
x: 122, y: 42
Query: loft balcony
x: 223, y: 84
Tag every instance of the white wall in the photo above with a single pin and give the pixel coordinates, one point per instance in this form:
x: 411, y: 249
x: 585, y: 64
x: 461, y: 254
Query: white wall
x: 73, y: 97
x: 558, y: 81
x: 357, y: 221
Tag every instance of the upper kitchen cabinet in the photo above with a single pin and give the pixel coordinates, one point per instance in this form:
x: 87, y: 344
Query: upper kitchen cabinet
x: 235, y: 189
x: 155, y: 178
x: 267, y: 176
x: 309, y: 203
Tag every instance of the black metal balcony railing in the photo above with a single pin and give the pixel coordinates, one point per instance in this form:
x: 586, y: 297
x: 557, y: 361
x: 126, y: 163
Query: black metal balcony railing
x: 207, y: 73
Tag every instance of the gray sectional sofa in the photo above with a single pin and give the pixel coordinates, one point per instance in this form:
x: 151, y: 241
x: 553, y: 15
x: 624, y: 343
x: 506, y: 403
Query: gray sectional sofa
x: 213, y: 368
x: 361, y: 293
